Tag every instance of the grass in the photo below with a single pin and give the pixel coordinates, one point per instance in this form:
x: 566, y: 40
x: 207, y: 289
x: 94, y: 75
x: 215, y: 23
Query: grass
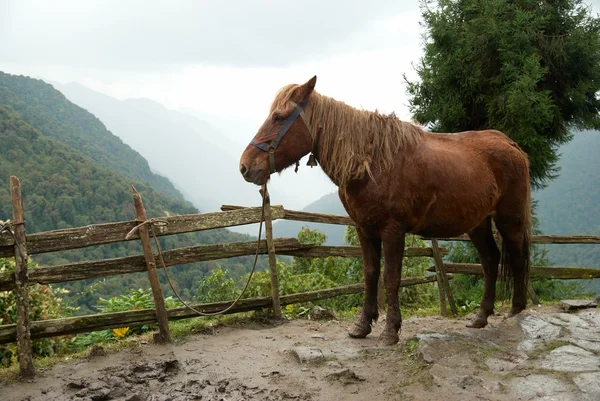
x: 546, y: 348
x: 414, y: 367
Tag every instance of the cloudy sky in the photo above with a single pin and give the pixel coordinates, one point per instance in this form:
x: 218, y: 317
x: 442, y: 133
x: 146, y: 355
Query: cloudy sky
x: 224, y: 59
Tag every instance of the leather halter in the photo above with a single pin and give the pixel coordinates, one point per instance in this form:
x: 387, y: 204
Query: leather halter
x: 273, y: 140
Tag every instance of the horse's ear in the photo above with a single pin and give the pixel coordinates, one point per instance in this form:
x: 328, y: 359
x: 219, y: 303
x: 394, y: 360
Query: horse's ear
x: 304, y: 91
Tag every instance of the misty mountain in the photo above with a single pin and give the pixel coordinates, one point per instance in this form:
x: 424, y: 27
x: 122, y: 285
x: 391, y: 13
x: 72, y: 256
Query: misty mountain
x: 570, y: 203
x: 329, y: 204
x: 197, y: 158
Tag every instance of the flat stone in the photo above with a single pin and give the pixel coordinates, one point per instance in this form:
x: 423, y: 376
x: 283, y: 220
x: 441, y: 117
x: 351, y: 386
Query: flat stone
x: 529, y: 345
x: 571, y: 359
x: 306, y: 355
x: 504, y: 363
x: 574, y: 304
x: 592, y: 316
x: 570, y: 320
x: 536, y: 327
x: 589, y: 384
x: 537, y: 386
x: 434, y: 347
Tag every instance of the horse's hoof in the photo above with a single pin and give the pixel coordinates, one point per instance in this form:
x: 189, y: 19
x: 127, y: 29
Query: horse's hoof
x: 359, y: 331
x: 478, y: 322
x: 514, y: 311
x: 387, y: 338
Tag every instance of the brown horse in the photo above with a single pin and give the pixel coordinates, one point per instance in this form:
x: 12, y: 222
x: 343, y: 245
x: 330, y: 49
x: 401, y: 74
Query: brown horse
x: 394, y: 178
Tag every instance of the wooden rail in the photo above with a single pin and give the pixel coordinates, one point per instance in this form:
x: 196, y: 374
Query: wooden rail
x: 553, y: 272
x: 187, y: 255
x: 102, y: 321
x: 99, y: 234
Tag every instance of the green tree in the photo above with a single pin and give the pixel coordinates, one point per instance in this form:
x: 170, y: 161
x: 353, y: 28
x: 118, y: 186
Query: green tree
x: 528, y: 68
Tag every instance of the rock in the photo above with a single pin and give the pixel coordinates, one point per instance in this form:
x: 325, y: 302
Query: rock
x: 571, y: 320
x: 319, y: 313
x: 589, y: 384
x: 334, y: 364
x: 504, y: 363
x: 529, y: 345
x: 308, y: 355
x: 571, y: 359
x: 468, y: 381
x: 537, y: 327
x: 574, y: 304
x: 537, y: 386
x: 434, y: 347
x: 97, y: 350
x: 346, y: 376
x: 319, y: 336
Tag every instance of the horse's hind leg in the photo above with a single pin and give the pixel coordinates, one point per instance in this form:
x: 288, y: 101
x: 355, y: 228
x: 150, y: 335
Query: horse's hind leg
x: 483, y: 240
x: 371, y: 250
x: 515, y: 254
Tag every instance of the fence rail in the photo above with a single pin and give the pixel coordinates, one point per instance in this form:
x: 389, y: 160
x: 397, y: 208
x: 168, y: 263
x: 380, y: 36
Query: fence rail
x: 100, y: 234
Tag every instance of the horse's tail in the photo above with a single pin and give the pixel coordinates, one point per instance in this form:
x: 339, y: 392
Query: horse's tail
x: 524, y: 250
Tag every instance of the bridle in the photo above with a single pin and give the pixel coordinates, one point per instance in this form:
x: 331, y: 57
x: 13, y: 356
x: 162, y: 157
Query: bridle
x: 270, y: 143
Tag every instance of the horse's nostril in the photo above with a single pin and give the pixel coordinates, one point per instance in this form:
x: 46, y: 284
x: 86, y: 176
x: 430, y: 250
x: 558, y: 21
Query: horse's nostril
x: 243, y: 169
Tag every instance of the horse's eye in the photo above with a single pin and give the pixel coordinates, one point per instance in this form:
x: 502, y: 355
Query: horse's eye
x: 278, y: 119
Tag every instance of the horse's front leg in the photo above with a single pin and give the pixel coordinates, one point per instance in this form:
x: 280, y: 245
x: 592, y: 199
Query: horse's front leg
x: 371, y: 250
x: 393, y: 252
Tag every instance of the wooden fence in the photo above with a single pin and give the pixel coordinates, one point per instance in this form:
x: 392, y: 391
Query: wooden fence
x: 14, y: 242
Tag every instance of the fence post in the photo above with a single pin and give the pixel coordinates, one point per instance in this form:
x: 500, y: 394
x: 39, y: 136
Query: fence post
x: 441, y: 271
x: 159, y: 301
x: 272, y: 257
x: 21, y: 281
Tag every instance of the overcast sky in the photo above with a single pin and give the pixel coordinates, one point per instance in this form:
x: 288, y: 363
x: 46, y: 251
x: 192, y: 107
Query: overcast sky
x: 223, y: 58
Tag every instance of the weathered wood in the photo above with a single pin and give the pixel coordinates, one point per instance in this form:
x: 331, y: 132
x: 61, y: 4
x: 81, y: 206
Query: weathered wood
x: 180, y: 256
x: 99, y: 234
x: 24, y: 344
x: 102, y: 321
x: 544, y: 239
x: 306, y: 216
x: 351, y: 252
x: 273, y: 274
x: 136, y: 264
x: 157, y: 294
x: 553, y: 272
x: 442, y: 278
x: 439, y: 270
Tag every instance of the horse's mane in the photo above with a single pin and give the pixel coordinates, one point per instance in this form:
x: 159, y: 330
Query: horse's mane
x: 352, y: 141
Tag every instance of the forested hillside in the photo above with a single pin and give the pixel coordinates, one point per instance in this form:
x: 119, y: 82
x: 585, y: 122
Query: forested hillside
x: 48, y: 110
x: 64, y: 187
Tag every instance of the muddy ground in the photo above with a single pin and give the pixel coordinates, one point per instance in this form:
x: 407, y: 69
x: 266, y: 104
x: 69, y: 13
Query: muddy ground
x: 295, y: 360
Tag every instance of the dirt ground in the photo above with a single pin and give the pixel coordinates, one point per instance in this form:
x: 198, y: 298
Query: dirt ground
x: 259, y: 362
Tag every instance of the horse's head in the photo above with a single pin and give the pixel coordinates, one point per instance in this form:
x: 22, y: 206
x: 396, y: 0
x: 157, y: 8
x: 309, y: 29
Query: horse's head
x: 283, y: 139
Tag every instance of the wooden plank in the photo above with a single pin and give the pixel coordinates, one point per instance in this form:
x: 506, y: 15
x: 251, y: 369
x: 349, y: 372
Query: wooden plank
x: 351, y: 252
x: 553, y: 272
x: 274, y: 276
x: 439, y: 270
x: 437, y: 256
x: 102, y: 321
x: 99, y: 234
x: 306, y: 216
x: 136, y: 264
x: 24, y: 345
x: 544, y: 239
x: 164, y: 335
